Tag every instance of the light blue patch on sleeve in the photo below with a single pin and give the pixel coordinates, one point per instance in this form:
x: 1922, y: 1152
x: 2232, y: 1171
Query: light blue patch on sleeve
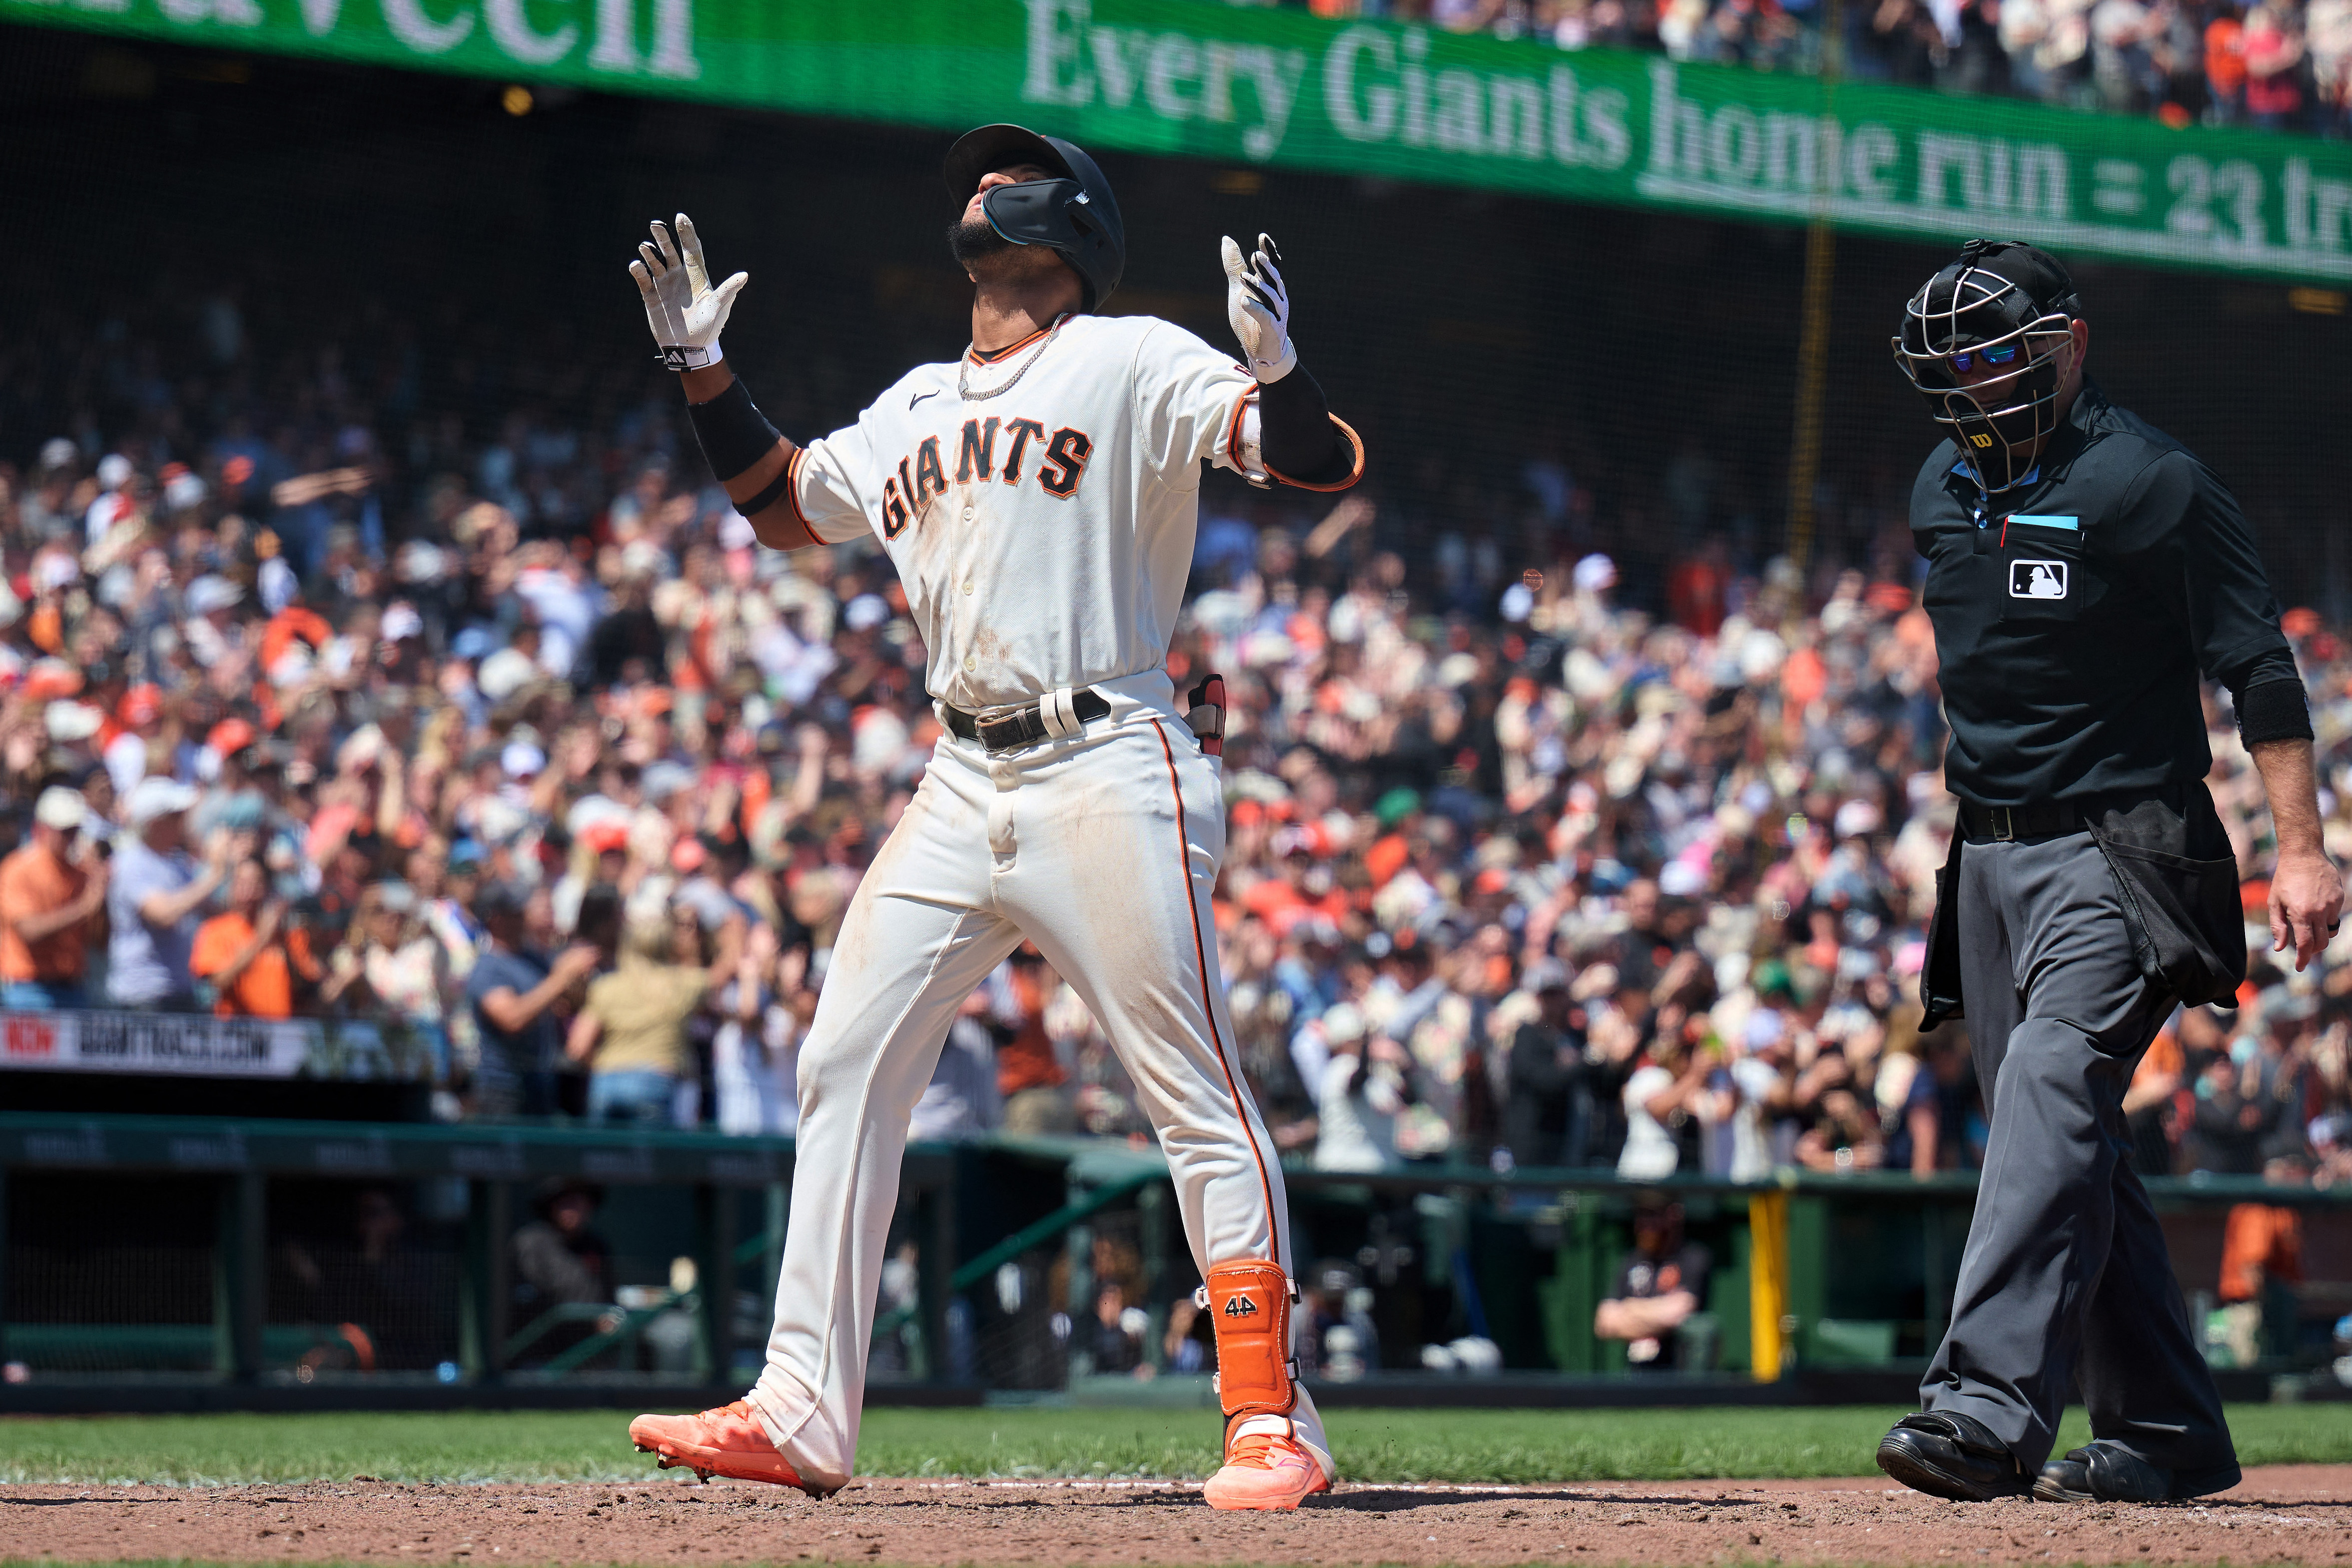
x: 2071, y: 525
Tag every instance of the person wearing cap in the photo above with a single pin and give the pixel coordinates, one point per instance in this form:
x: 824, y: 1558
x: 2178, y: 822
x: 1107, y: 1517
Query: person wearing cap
x: 448, y: 911
x: 559, y: 1256
x: 115, y: 501
x: 1661, y: 1283
x: 403, y: 962
x: 235, y: 758
x: 153, y: 895
x: 2083, y: 571
x: 1547, y: 1120
x: 511, y: 993
x: 212, y: 632
x: 51, y: 890
x: 125, y: 750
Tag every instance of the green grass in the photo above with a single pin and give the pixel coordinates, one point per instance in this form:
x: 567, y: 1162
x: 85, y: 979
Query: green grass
x: 1371, y: 1445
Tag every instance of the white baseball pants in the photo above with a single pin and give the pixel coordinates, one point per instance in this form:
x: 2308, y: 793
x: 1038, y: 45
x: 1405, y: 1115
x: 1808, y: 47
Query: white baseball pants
x: 1102, y: 849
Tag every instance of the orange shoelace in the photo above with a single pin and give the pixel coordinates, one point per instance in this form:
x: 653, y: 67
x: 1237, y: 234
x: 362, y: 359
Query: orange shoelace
x: 1255, y: 1449
x: 740, y: 1410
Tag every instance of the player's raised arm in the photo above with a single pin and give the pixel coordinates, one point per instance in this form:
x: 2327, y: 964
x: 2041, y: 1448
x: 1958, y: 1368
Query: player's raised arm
x: 686, y: 313
x: 1302, y: 443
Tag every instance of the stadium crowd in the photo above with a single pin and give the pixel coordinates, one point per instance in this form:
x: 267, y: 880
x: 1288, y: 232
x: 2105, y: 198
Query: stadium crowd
x: 521, y: 756
x: 2284, y: 65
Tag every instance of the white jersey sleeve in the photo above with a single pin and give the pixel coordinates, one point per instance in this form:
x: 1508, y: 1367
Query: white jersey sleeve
x: 1193, y: 405
x: 833, y: 485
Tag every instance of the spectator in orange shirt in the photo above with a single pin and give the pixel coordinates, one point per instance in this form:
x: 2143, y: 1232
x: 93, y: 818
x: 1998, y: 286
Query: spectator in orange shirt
x: 1302, y: 888
x: 2262, y: 1264
x: 1030, y: 1077
x: 239, y: 951
x: 2225, y: 65
x: 2147, y: 1103
x: 51, y: 891
x: 295, y: 622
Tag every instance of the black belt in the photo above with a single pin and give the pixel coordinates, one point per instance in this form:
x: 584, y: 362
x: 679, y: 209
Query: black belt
x: 2047, y: 820
x: 1022, y: 724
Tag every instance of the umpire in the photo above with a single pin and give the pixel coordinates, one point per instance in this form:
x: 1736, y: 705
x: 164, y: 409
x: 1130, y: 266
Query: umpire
x: 2082, y: 568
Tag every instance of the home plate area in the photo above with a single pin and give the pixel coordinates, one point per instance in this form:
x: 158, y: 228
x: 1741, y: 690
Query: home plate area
x: 2282, y: 1514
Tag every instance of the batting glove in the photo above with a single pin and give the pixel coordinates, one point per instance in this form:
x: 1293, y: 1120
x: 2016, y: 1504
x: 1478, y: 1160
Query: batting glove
x: 1259, y: 308
x: 681, y: 307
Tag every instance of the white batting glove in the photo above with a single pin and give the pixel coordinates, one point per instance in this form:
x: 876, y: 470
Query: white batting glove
x: 1259, y: 308
x: 681, y: 307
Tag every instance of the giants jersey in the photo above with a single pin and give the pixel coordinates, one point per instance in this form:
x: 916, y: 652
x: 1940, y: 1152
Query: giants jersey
x: 1043, y: 536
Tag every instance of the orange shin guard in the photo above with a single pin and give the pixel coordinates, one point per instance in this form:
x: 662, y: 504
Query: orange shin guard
x: 1249, y: 1308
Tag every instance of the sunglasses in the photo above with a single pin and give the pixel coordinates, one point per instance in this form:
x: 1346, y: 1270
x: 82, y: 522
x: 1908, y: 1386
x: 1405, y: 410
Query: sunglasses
x: 1969, y: 359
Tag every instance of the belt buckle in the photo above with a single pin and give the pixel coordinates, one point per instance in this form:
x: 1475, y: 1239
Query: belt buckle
x: 2003, y: 822
x: 1004, y: 717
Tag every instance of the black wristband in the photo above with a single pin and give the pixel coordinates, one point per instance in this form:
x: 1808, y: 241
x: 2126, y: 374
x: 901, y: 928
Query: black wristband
x: 1294, y: 425
x: 2275, y: 710
x: 732, y: 431
x: 770, y: 493
x: 1299, y: 439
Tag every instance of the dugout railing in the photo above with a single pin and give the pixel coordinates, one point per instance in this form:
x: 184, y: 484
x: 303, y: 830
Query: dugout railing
x: 1820, y: 1283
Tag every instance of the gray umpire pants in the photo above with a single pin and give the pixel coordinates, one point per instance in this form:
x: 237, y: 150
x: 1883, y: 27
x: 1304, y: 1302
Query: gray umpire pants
x: 2065, y: 1274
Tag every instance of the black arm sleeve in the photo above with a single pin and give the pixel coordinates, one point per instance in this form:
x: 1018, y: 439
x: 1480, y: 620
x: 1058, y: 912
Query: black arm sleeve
x: 732, y: 432
x: 2270, y: 708
x: 1301, y: 443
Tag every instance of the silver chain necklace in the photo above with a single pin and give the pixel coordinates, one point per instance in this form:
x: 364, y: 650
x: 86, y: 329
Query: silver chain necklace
x: 963, y: 367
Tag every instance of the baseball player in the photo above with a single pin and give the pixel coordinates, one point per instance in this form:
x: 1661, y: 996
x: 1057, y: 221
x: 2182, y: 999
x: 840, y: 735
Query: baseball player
x: 1038, y: 496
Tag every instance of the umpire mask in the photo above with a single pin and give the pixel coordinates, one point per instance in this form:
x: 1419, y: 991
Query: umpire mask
x: 1988, y: 342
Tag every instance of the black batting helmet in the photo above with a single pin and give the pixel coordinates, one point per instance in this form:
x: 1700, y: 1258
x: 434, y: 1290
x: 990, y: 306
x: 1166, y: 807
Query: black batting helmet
x: 2000, y: 313
x: 1075, y: 216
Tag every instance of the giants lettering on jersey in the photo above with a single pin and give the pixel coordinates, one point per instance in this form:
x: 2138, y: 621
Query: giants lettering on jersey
x: 1060, y: 461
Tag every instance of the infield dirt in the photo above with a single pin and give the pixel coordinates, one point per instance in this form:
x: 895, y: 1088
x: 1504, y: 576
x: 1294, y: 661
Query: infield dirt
x: 2283, y: 1514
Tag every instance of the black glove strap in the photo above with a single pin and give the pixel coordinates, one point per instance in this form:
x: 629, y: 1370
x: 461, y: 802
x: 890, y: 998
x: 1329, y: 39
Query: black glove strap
x: 732, y: 431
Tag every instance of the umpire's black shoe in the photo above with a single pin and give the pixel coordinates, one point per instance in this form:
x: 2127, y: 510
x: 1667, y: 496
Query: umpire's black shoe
x: 1948, y: 1454
x: 2107, y: 1471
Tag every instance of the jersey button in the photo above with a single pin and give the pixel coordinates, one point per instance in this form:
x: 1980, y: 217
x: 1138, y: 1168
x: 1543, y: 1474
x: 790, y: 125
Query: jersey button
x: 970, y: 664
x: 967, y: 587
x: 967, y: 514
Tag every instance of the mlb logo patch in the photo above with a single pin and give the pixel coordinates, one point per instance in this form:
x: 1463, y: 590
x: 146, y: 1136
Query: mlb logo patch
x: 2037, y: 579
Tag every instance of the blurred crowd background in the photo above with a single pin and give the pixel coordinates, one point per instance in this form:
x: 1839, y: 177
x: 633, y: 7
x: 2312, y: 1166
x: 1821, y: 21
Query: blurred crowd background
x: 377, y: 648
x: 508, y: 738
x: 375, y: 651
x: 2276, y: 65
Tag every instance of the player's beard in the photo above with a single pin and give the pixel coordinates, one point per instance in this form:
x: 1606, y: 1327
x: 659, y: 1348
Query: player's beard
x: 975, y: 239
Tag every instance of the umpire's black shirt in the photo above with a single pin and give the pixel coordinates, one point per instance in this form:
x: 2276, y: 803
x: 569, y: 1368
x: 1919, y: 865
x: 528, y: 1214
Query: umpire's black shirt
x: 2074, y: 613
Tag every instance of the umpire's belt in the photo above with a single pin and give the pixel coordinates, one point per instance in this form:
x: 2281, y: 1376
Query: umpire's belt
x: 1059, y: 713
x: 2049, y: 818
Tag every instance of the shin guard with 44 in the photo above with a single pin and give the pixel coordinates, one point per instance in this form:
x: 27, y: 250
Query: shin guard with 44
x: 1249, y: 1308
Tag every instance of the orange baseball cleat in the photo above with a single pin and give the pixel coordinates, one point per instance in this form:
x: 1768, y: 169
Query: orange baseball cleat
x: 728, y: 1441
x: 1271, y: 1470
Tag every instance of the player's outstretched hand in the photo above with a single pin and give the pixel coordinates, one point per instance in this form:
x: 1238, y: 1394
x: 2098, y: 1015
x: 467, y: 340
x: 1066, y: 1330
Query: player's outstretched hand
x: 1259, y: 308
x: 684, y: 311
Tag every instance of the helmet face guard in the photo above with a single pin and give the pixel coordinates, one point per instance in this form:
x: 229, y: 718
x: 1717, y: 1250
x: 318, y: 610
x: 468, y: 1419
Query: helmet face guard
x: 1061, y: 216
x: 1997, y: 417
